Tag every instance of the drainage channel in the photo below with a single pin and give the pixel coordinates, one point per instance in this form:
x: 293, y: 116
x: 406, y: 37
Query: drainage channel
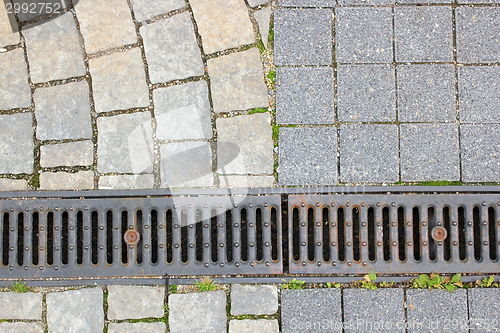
x: 251, y: 234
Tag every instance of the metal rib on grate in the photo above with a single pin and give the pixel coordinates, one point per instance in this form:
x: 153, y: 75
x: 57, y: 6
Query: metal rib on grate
x: 394, y: 234
x: 138, y: 236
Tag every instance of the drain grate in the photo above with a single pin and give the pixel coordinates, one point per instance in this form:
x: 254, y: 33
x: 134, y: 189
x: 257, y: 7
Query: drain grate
x: 140, y: 236
x: 394, y: 234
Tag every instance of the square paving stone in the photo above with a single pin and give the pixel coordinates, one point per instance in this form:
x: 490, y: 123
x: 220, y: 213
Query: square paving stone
x: 146, y: 9
x: 253, y: 299
x: 125, y: 143
x: 366, y: 93
x: 15, y: 91
x: 67, y: 154
x: 16, y: 143
x: 137, y: 327
x: 63, y: 112
x: 171, y: 49
x: 478, y: 1
x: 429, y: 152
x: 21, y: 327
x: 198, y: 312
x: 125, y: 182
x: 7, y: 36
x: 246, y: 181
x: 423, y: 34
x: 119, y: 81
x: 366, y: 2
x: 54, y: 181
x: 237, y: 81
x: 135, y: 302
x: 363, y: 35
x: 479, y: 94
x: 255, y: 3
x: 183, y: 112
x: 20, y: 306
x: 306, y: 3
x: 75, y: 311
x: 478, y: 34
x: 236, y: 29
x: 7, y: 184
x: 480, y: 153
x: 369, y: 154
x: 430, y: 310
x: 311, y: 310
x: 426, y: 93
x: 303, y: 37
x: 305, y: 95
x: 307, y: 156
x: 379, y: 310
x: 245, y: 145
x: 118, y: 30
x: 54, y: 50
x: 251, y: 326
x: 186, y: 164
x: 483, y: 309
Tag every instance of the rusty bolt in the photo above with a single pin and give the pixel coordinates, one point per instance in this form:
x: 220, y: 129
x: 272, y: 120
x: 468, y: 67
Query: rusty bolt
x: 455, y: 243
x: 335, y: 224
x: 409, y: 243
x: 266, y: 244
x: 26, y: 268
x: 237, y: 264
x: 365, y: 263
x: 268, y: 263
x: 424, y: 243
x: 394, y: 243
x: 303, y: 263
x: 348, y: 243
x: 364, y: 243
x: 116, y: 247
x: 349, y: 263
x: 266, y: 224
x: 334, y: 263
x: 160, y: 246
x: 252, y: 264
x: 207, y: 264
x: 393, y: 224
x: 379, y: 243
x: 393, y: 204
x: 379, y: 224
x: 378, y: 204
x: 424, y: 223
x: 221, y: 264
x: 318, y: 263
x: 348, y: 224
x: 485, y: 223
x: 250, y: 205
x: 439, y: 223
x: 302, y: 205
x: 12, y: 209
x: 303, y: 243
x: 207, y: 245
x: 131, y: 237
x: 190, y: 245
x: 318, y: 243
x: 439, y: 234
x: 469, y: 223
x: 235, y: 205
x: 334, y: 244
x: 175, y: 245
x: 408, y: 224
x: 363, y: 224
x: 318, y: 204
x: 485, y: 243
x: 303, y: 224
x: 333, y: 204
x: 363, y: 204
x: 251, y: 225
x: 251, y: 244
x: 470, y: 243
x: 454, y: 223
x: 484, y: 203
x: 347, y: 204
x: 318, y: 224
x: 221, y: 244
x: 236, y: 244
x: 265, y: 205
x: 101, y: 227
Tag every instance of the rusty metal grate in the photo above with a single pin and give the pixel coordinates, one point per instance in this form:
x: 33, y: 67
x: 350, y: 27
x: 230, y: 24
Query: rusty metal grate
x: 394, y: 234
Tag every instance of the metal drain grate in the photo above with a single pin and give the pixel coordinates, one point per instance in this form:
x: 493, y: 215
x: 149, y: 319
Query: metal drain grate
x: 394, y: 234
x: 140, y: 236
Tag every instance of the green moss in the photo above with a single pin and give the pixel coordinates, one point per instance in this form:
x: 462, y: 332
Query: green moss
x: 257, y: 110
x: 440, y: 183
x: 260, y: 45
x: 35, y: 180
x: 271, y: 31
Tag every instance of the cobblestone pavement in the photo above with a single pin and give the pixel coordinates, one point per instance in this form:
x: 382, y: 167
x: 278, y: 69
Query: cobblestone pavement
x: 248, y: 309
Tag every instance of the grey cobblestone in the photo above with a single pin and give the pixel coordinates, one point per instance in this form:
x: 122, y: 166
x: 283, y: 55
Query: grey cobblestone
x: 171, y: 49
x: 7, y: 36
x: 118, y: 30
x: 263, y: 18
x: 81, y: 180
x: 135, y: 302
x: 306, y: 3
x: 13, y: 184
x: 21, y: 306
x: 54, y: 50
x: 124, y: 182
x: 21, y: 327
x: 251, y: 326
x: 366, y: 2
x: 483, y: 309
x: 478, y: 1
x: 255, y: 3
x: 237, y: 81
x: 255, y: 300
x: 246, y: 181
x: 363, y: 35
x: 119, y: 81
x: 16, y: 143
x: 63, y: 112
x: 67, y: 154
x: 145, y: 9
x: 137, y: 328
x: 15, y: 91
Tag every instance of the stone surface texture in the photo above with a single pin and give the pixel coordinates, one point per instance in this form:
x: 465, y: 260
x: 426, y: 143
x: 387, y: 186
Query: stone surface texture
x: 135, y: 302
x: 483, y: 309
x: 251, y: 326
x: 263, y: 18
x: 124, y: 182
x: 7, y: 36
x: 81, y: 180
x: 21, y: 306
x: 146, y: 9
x: 16, y: 143
x: 137, y: 328
x: 67, y: 154
x: 21, y: 327
x: 254, y: 300
x: 15, y: 91
x: 246, y: 181
x: 13, y: 184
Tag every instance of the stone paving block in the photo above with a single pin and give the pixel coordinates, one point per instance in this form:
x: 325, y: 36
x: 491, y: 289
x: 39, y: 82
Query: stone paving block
x: 63, y: 112
x: 16, y: 143
x: 305, y: 95
x: 306, y: 3
x: 54, y: 50
x: 135, y: 302
x: 255, y: 3
x: 13, y: 184
x: 15, y: 91
x: 159, y: 327
x: 253, y: 299
x: 426, y: 93
x: 251, y: 326
x: 483, y: 309
x: 429, y: 152
x: 118, y: 30
x: 479, y: 94
x: 53, y: 181
x: 303, y: 37
x: 366, y: 2
x: 366, y: 93
x: 478, y: 1
x: 480, y: 153
x: 7, y: 36
x: 363, y: 35
x: 119, y: 81
x: 252, y: 134
x: 379, y: 310
x: 75, y: 311
x: 126, y: 182
x: 416, y: 2
x: 245, y: 181
x: 125, y: 143
x: 198, y: 312
x: 145, y: 9
x: 171, y: 49
x: 307, y: 156
x: 186, y: 164
x: 369, y: 153
x: 263, y: 18
x: 21, y: 327
x: 237, y: 81
x: 478, y: 34
x: 423, y: 34
x: 236, y: 29
x: 183, y: 112
x: 311, y: 311
x: 67, y: 154
x: 430, y: 310
x: 20, y: 306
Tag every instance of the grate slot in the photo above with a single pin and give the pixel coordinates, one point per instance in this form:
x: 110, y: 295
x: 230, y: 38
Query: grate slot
x: 12, y: 239
x: 348, y: 234
x: 462, y: 224
x: 72, y: 221
x: 94, y: 230
x: 27, y: 244
x: 162, y: 250
x: 372, y: 241
x: 333, y: 235
x: 266, y: 235
x: 54, y: 224
x: 144, y: 246
x: 228, y: 218
x: 236, y: 241
x: 484, y: 231
x: 276, y: 235
x: 469, y: 233
x: 447, y: 227
x: 120, y: 241
x: 138, y: 249
x: 401, y: 234
x: 408, y: 235
x: 476, y: 224
x: 199, y: 236
x: 310, y: 234
x: 386, y: 232
x: 325, y: 221
x: 20, y: 239
x: 169, y: 234
x: 41, y: 241
x: 213, y: 236
x: 79, y: 238
x: 64, y: 238
x: 363, y: 234
x: 191, y: 236
x: 221, y: 236
x: 258, y: 234
x: 50, y: 238
x: 244, y: 235
x: 176, y: 237
x: 379, y: 239
x: 492, y: 233
x: 109, y: 237
x: 184, y: 237
x: 207, y: 252
x: 295, y: 232
x: 454, y: 234
x: 356, y: 235
x: 303, y: 235
x: 417, y: 239
x: 424, y: 233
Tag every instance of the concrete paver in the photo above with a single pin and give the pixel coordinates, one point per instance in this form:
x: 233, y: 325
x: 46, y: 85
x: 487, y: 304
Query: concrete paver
x: 13, y: 184
x: 255, y: 3
x: 135, y: 302
x: 124, y: 182
x: 67, y: 154
x: 146, y: 9
x: 7, y: 36
x: 16, y: 143
x: 137, y: 328
x: 483, y: 309
x: 15, y: 91
x: 21, y: 306
x: 21, y: 327
x: 254, y: 300
x: 306, y: 3
x: 250, y: 326
x: 53, y: 181
x: 263, y: 18
x: 246, y: 181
